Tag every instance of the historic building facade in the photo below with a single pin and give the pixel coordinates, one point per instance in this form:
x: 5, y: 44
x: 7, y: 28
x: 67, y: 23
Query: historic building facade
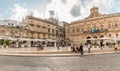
x: 96, y: 25
x: 33, y: 30
x: 46, y: 31
x: 10, y: 28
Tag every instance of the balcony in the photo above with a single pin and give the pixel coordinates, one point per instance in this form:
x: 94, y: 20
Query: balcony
x: 95, y: 31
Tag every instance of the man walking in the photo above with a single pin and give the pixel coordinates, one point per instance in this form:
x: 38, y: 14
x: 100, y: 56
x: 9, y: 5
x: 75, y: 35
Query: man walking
x: 81, y: 49
x: 58, y: 48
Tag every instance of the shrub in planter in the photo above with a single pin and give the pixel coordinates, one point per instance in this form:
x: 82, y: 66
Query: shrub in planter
x: 1, y: 41
x: 7, y: 42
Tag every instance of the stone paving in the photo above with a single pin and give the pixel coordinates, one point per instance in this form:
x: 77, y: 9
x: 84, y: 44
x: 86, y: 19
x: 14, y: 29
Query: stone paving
x: 51, y: 51
x: 103, y: 62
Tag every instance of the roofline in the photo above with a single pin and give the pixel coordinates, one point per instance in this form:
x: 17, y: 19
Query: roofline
x: 40, y: 19
x: 90, y: 19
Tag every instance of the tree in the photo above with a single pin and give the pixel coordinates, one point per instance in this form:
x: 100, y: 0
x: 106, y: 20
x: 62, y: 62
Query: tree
x: 1, y: 41
x: 7, y: 42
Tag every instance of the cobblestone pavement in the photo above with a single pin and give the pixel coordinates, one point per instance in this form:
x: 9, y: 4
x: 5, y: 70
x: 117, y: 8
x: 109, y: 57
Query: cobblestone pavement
x: 103, y: 62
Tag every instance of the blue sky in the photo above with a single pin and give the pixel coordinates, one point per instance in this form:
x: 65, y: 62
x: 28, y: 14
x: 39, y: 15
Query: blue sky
x: 63, y: 10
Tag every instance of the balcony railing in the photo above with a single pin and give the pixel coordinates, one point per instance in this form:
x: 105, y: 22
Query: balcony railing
x: 95, y: 31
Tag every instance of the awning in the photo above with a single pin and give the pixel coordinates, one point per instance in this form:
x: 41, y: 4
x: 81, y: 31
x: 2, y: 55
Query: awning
x: 28, y: 39
x: 7, y: 37
x: 105, y: 38
x: 51, y: 40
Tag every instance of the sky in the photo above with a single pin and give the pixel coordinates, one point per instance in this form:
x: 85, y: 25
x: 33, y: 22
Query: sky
x: 62, y: 10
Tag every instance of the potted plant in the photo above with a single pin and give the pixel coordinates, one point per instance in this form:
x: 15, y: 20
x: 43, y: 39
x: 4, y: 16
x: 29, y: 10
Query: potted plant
x: 2, y: 42
x: 7, y: 43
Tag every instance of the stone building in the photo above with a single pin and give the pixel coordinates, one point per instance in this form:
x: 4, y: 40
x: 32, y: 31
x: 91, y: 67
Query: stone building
x: 46, y: 31
x: 33, y: 30
x: 96, y: 25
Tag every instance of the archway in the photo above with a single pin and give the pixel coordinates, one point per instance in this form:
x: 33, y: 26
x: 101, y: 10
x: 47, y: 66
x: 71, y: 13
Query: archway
x: 95, y: 37
x: 101, y: 36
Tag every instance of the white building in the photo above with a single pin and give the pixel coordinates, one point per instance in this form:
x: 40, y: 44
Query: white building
x: 11, y: 23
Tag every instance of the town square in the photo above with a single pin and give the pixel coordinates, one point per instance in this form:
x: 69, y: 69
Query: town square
x: 60, y: 35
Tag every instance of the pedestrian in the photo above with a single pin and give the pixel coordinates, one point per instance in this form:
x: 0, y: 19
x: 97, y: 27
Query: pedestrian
x: 81, y: 49
x: 89, y: 46
x: 115, y: 46
x: 101, y: 44
x: 77, y: 49
x: 73, y: 49
x: 58, y: 48
x: 39, y: 46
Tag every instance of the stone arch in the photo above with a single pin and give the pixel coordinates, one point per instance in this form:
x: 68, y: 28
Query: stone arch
x: 101, y: 36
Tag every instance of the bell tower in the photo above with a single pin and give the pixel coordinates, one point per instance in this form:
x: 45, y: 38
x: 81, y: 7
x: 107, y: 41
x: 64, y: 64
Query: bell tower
x: 94, y: 12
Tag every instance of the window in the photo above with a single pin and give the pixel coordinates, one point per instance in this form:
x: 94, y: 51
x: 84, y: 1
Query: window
x: 43, y: 35
x: 31, y: 21
x: 109, y: 35
x: 116, y: 25
x: 8, y: 23
x: 56, y: 32
x: 52, y: 30
x: 77, y: 30
x: 102, y: 27
x: 48, y: 30
x: 12, y: 24
x: 89, y: 29
x: 109, y: 26
x: 73, y: 30
x: 117, y: 34
x: 94, y: 27
x: 82, y: 29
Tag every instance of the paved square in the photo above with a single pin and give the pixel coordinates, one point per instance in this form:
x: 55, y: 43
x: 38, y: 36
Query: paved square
x: 103, y: 62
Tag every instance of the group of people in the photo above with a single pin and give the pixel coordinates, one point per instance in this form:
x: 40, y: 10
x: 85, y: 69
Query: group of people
x: 40, y: 46
x: 77, y: 49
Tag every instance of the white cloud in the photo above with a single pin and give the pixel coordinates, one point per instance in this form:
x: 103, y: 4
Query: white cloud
x: 19, y: 12
x: 65, y: 10
x: 36, y: 13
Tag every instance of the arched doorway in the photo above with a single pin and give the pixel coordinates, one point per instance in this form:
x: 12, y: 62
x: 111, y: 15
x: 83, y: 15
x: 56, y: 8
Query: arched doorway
x: 101, y: 36
x: 88, y: 40
x: 101, y: 39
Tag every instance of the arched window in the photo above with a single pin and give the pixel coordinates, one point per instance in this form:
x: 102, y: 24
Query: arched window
x: 116, y: 25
